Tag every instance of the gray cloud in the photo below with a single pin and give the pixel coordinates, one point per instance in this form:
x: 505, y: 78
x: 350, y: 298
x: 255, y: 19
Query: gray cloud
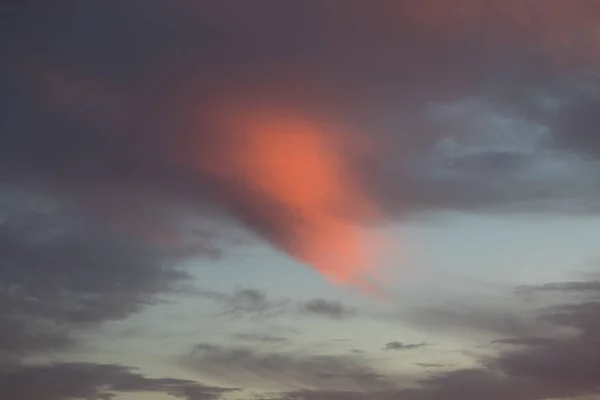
x: 525, y: 341
x: 397, y: 346
x: 259, y: 338
x: 432, y: 365
x: 255, y: 303
x: 586, y: 288
x: 328, y: 309
x: 555, y: 367
x: 247, y: 303
x: 62, y: 275
x: 86, y: 381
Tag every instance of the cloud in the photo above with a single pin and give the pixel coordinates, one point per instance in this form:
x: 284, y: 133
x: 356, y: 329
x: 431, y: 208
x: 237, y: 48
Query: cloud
x: 255, y: 303
x: 525, y: 341
x: 467, y: 318
x: 432, y: 365
x: 560, y: 366
x: 328, y: 309
x: 271, y: 371
x: 94, y: 381
x: 466, y: 105
x: 397, y: 346
x: 258, y: 338
x: 586, y: 288
x: 559, y: 369
x: 246, y: 303
x: 471, y: 106
x: 62, y: 275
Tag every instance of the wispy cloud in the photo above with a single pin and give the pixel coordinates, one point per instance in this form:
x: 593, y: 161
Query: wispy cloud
x: 246, y: 303
x: 255, y: 303
x: 398, y: 346
x: 261, y: 338
x: 328, y: 309
x: 268, y: 370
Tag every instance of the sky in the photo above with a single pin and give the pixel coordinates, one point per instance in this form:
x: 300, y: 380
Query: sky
x: 299, y: 200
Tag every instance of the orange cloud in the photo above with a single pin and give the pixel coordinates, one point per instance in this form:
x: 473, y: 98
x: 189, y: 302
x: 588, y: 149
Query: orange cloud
x: 300, y: 169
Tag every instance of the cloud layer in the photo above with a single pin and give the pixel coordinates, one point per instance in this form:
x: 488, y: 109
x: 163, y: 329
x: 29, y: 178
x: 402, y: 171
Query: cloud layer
x: 95, y: 381
x: 125, y: 125
x: 456, y: 120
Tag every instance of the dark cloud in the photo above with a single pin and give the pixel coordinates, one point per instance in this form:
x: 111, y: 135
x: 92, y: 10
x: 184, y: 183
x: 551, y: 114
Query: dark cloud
x: 432, y: 365
x: 452, y: 92
x: 265, y: 370
x: 86, y: 381
x: 328, y: 309
x: 564, y: 365
x: 579, y: 117
x: 559, y: 366
x: 115, y: 107
x: 62, y: 275
x: 397, y: 346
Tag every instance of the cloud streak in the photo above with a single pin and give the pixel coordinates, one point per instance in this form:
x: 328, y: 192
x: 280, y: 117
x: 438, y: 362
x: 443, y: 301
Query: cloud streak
x: 330, y: 309
x: 398, y: 346
x: 95, y: 381
x: 255, y: 303
x: 273, y: 371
